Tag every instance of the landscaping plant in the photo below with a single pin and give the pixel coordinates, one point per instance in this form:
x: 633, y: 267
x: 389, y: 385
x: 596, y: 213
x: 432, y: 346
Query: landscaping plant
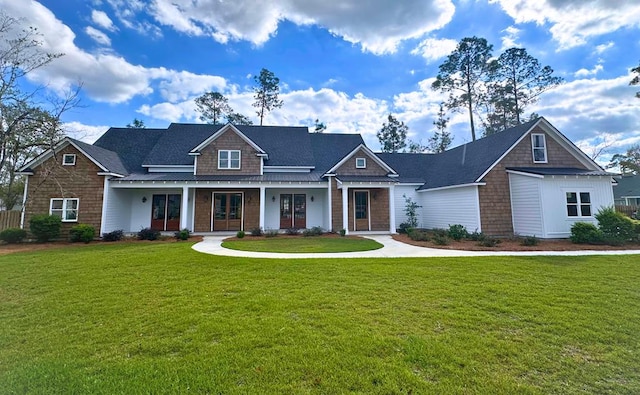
x: 13, y: 235
x: 148, y: 234
x: 45, y: 227
x: 115, y: 235
x: 82, y: 232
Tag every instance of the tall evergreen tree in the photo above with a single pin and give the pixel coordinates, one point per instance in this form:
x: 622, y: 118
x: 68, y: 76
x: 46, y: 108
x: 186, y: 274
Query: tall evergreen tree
x: 236, y: 118
x: 464, y: 75
x: 393, y: 135
x: 136, y: 124
x: 266, y: 93
x: 636, y: 79
x: 629, y: 162
x: 441, y: 139
x: 213, y: 106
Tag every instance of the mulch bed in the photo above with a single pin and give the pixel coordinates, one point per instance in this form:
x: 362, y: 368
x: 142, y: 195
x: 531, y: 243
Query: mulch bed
x: 514, y: 245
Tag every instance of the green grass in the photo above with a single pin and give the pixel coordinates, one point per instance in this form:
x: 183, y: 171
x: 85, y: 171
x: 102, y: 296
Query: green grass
x: 303, y: 244
x: 160, y: 318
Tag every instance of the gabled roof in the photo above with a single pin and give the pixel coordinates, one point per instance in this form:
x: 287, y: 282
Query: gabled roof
x: 219, y: 132
x: 369, y: 153
x: 132, y: 145
x: 107, y: 161
x: 628, y: 186
x: 329, y: 148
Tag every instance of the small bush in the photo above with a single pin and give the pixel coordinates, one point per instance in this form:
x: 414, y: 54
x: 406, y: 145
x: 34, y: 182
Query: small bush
x: 476, y: 236
x: 404, y: 227
x: 586, y: 233
x: 256, y: 232
x: 116, y: 235
x: 148, y: 234
x: 529, y: 241
x: 82, y: 232
x: 343, y: 232
x: 440, y: 239
x: 457, y: 232
x: 271, y: 233
x: 439, y: 232
x: 418, y: 235
x: 315, y: 231
x: 13, y: 235
x: 292, y: 231
x: 488, y: 242
x: 182, y: 234
x: 45, y: 227
x: 240, y: 234
x: 616, y: 228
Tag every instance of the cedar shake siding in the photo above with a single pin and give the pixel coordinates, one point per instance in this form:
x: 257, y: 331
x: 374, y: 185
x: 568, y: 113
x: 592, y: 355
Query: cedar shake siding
x: 251, y: 219
x: 378, y: 210
x: 229, y: 140
x: 495, y: 200
x: 53, y: 180
x: 372, y: 169
x: 336, y: 206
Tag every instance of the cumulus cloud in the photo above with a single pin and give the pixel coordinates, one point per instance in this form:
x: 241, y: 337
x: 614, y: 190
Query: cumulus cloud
x: 105, y: 77
x: 86, y: 133
x: 98, y: 36
x: 586, y: 72
x: 510, y: 38
x: 101, y: 19
x: 378, y: 25
x: 433, y: 49
x: 573, y: 22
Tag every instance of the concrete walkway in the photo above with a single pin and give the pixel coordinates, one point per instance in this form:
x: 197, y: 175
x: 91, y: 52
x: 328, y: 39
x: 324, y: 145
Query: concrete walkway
x: 392, y: 249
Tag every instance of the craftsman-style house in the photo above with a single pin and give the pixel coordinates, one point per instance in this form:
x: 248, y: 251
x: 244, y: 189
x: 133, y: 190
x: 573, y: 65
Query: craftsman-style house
x: 529, y: 180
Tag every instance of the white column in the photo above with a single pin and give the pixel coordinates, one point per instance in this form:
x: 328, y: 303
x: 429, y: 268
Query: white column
x: 262, y: 203
x: 345, y: 208
x: 330, y: 206
x: 184, y: 208
x: 105, y: 206
x: 24, y: 201
x: 392, y: 209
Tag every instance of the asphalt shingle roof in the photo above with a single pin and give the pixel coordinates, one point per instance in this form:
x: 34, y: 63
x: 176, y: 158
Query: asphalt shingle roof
x: 108, y: 159
x: 627, y: 186
x: 132, y: 145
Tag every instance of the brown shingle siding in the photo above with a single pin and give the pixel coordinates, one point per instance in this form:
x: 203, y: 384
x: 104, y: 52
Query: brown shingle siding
x: 372, y: 169
x: 207, y: 163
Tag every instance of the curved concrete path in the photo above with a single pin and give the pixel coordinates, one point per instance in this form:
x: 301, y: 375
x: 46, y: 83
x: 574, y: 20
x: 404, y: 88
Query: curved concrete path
x: 391, y: 249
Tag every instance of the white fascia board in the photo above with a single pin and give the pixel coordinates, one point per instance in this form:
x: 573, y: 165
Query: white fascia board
x: 110, y: 174
x: 218, y: 184
x: 570, y: 146
x: 220, y: 132
x: 49, y: 153
x: 453, y: 186
x: 521, y: 173
x: 369, y: 153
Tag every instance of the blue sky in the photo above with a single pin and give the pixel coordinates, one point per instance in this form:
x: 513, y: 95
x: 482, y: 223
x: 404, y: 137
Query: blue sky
x: 347, y: 63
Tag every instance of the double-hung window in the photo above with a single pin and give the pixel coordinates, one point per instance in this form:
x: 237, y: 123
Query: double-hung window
x: 229, y: 159
x: 578, y: 204
x: 539, y: 146
x: 65, y: 208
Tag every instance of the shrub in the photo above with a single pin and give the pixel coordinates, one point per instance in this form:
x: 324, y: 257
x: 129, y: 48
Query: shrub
x: 411, y: 211
x: 441, y: 239
x: 457, y: 232
x: 418, y: 235
x: 439, y: 232
x: 476, y: 236
x: 616, y: 227
x: 82, y: 232
x: 271, y: 233
x: 292, y: 231
x: 13, y: 235
x: 586, y: 233
x: 256, y: 232
x: 404, y: 227
x: 148, y: 234
x: 116, y: 235
x: 315, y: 231
x: 182, y: 234
x: 529, y: 241
x: 240, y: 234
x: 343, y: 232
x: 488, y: 242
x: 45, y: 227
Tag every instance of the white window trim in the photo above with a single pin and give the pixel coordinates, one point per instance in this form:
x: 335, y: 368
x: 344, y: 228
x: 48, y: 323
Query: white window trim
x: 64, y: 208
x: 364, y: 163
x: 64, y: 160
x: 229, y: 159
x: 578, y: 204
x: 544, y: 147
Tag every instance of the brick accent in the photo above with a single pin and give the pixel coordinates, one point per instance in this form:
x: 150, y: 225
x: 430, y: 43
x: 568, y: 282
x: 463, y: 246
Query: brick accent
x: 495, y: 199
x: 229, y: 140
x: 203, y: 208
x: 53, y: 180
x: 372, y: 169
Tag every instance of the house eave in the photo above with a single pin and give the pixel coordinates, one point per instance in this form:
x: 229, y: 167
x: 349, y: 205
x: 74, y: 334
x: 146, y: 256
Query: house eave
x: 453, y: 186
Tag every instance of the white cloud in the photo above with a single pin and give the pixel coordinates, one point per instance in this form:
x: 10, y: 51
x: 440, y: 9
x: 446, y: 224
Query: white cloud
x: 176, y: 86
x: 574, y: 22
x: 510, y: 38
x: 98, y: 36
x: 101, y: 19
x: 86, y: 133
x: 585, y: 72
x: 378, y: 25
x: 603, y: 47
x: 433, y: 49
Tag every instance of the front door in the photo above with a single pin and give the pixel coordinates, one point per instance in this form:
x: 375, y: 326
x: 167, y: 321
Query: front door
x: 293, y: 211
x: 361, y: 210
x: 165, y: 212
x: 227, y: 211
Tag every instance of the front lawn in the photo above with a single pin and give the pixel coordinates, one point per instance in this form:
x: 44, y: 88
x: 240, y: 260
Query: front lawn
x: 161, y: 318
x: 299, y: 244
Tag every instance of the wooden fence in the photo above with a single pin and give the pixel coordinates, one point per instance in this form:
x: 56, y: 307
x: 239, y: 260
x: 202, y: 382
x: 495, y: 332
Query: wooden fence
x: 9, y: 219
x: 631, y: 211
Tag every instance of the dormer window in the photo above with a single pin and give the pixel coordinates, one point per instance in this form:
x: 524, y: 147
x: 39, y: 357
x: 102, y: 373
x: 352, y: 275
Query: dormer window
x: 229, y: 159
x: 539, y: 147
x: 69, y: 159
x: 361, y: 163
